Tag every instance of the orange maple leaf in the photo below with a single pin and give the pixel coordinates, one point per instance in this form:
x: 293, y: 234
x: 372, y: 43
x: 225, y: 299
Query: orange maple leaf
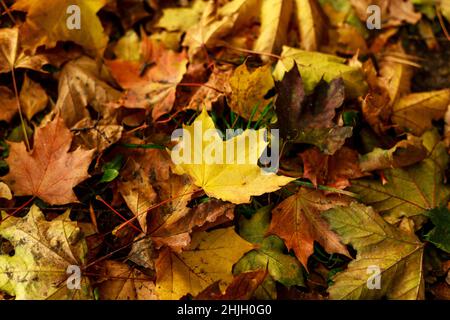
x: 49, y: 171
x: 298, y: 222
x: 151, y: 82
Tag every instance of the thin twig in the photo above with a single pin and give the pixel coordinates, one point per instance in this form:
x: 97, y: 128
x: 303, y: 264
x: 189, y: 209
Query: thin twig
x: 441, y: 22
x: 7, y: 11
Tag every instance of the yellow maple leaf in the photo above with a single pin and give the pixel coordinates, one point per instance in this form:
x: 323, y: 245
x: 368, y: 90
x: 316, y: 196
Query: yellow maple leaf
x: 209, y: 258
x: 248, y: 89
x: 57, y: 20
x: 226, y: 170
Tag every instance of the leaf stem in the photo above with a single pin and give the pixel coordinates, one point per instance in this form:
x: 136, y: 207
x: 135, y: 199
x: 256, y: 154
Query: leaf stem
x: 22, y: 122
x: 325, y: 188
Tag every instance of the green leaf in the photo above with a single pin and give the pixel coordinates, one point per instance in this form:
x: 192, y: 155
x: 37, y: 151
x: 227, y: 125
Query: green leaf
x: 43, y: 251
x: 281, y: 267
x: 111, y: 169
x: 440, y: 235
x: 4, y: 149
x: 397, y: 253
x: 315, y: 66
x: 409, y: 191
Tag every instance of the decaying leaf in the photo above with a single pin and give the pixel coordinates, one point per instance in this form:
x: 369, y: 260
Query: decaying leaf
x: 227, y: 178
x: 381, y: 247
x: 209, y: 258
x: 43, y: 252
x: 49, y: 171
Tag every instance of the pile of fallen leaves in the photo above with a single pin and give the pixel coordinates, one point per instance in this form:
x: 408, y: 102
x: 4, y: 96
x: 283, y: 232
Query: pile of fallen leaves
x: 357, y: 210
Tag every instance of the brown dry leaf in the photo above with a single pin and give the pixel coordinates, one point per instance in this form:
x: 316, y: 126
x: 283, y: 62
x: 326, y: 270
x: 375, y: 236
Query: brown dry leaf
x: 143, y: 252
x: 394, y: 12
x: 441, y: 291
x: 242, y: 287
x: 215, y: 88
x: 404, y: 153
x: 33, y: 98
x: 98, y: 135
x: 119, y: 281
x: 381, y: 40
x: 248, y: 90
x: 179, y: 227
x: 401, y: 10
x: 395, y: 72
x: 347, y: 39
x: 151, y: 83
x: 137, y: 192
x: 49, y: 171
x: 12, y: 55
x: 334, y: 171
x: 386, y: 86
x: 8, y: 107
x: 147, y: 180
x: 131, y: 11
x: 82, y: 83
x: 377, y: 105
x: 298, y: 222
